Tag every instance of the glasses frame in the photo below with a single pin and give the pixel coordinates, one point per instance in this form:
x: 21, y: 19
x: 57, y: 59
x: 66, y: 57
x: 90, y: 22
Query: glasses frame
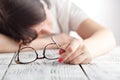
x: 16, y: 55
x: 17, y: 58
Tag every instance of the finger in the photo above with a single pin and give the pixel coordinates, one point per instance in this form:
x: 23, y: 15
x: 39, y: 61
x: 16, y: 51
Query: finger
x: 79, y: 59
x: 74, y: 55
x: 62, y: 48
x: 81, y: 49
x: 61, y: 51
x: 86, y: 61
x: 71, y: 48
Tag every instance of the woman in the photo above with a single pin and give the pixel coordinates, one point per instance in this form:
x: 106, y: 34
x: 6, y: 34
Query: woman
x: 30, y: 21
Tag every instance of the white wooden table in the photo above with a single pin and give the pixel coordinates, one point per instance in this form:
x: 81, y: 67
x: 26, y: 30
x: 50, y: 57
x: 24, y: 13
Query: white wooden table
x: 106, y: 67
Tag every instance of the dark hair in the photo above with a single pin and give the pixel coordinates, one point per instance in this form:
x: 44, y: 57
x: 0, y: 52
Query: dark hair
x: 18, y: 16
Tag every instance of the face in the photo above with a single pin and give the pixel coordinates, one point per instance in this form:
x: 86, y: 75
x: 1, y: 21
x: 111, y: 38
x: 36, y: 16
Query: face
x: 44, y: 28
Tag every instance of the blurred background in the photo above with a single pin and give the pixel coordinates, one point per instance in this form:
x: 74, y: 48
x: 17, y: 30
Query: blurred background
x: 105, y: 12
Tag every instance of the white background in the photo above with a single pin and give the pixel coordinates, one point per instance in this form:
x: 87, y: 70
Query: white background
x: 105, y: 12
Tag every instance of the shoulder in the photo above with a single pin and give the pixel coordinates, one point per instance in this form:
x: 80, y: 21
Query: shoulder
x: 59, y: 3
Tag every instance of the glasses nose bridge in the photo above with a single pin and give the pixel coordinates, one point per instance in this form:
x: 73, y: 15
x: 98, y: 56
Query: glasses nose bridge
x: 40, y: 57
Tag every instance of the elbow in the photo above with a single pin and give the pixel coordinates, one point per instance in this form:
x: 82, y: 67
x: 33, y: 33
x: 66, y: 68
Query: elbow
x: 112, y: 40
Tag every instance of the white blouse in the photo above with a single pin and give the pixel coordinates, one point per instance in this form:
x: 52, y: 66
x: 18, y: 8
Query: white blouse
x: 66, y: 16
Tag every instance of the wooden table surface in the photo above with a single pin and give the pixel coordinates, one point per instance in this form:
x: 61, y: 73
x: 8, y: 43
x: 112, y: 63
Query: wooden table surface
x: 106, y: 67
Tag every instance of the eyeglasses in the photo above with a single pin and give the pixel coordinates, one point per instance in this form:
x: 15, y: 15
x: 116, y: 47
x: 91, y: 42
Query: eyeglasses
x: 25, y: 57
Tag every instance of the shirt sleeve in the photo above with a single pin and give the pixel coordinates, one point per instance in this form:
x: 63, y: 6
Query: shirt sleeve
x: 76, y: 17
x: 69, y: 15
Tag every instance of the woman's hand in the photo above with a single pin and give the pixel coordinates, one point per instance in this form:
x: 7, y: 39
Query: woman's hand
x: 62, y: 38
x: 75, y: 52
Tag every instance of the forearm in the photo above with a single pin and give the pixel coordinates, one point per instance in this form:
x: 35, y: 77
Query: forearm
x: 7, y: 44
x: 99, y: 43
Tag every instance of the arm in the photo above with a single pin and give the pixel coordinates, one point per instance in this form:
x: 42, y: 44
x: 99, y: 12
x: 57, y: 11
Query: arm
x: 95, y: 40
x: 9, y: 45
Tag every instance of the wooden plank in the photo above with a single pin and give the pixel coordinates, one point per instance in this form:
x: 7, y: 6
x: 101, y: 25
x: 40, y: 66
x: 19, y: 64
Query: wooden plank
x: 44, y: 70
x: 106, y: 67
x: 4, y: 61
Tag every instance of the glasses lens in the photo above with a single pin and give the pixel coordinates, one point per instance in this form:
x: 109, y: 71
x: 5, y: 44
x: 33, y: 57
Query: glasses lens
x: 52, y: 51
x: 26, y: 56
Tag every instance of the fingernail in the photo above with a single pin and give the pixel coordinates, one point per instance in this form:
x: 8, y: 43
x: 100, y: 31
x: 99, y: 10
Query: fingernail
x: 60, y: 60
x: 61, y: 51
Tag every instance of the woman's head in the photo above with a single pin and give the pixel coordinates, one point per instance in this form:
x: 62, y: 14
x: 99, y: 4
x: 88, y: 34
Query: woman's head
x: 17, y: 17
